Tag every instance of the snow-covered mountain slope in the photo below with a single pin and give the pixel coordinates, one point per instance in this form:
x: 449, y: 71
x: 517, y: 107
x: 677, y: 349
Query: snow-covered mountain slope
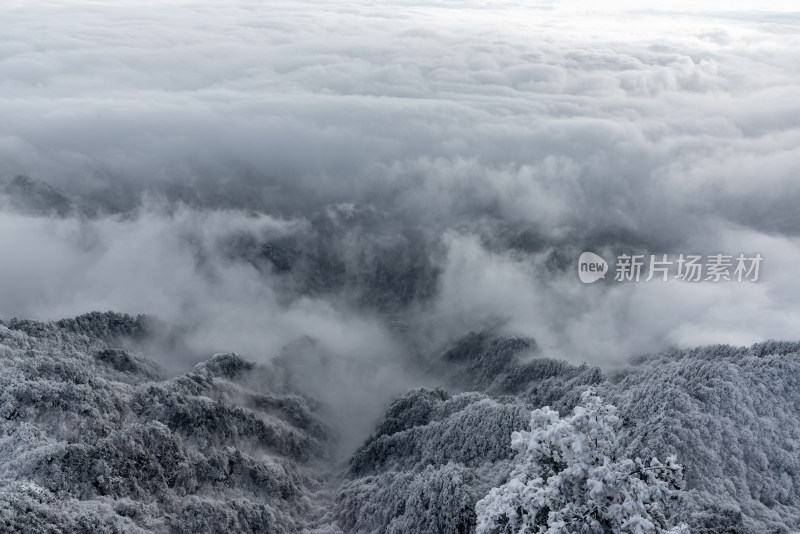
x: 729, y: 414
x: 93, y: 440
x: 94, y: 437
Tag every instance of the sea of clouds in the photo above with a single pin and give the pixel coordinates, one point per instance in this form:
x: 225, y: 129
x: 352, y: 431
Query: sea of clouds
x: 512, y: 135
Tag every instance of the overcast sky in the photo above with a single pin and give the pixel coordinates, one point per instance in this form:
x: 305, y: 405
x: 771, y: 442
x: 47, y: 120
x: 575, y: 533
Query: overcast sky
x: 671, y: 129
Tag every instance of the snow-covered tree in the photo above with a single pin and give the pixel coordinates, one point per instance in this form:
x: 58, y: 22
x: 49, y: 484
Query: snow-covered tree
x: 569, y: 480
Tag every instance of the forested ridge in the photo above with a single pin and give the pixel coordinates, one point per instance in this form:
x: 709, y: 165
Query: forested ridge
x: 95, y: 437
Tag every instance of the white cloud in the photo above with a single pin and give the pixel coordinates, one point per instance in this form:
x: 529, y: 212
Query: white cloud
x: 580, y: 122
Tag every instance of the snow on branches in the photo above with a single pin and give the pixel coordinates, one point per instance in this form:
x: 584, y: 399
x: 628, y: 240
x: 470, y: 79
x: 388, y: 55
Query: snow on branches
x: 569, y: 480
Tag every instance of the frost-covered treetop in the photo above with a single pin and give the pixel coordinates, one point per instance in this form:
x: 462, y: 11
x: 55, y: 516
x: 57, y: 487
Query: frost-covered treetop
x: 569, y: 480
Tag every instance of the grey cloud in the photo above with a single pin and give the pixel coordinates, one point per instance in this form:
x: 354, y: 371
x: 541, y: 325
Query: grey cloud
x: 494, y: 144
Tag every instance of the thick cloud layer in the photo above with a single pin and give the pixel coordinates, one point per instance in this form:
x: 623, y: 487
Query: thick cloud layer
x: 491, y: 142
